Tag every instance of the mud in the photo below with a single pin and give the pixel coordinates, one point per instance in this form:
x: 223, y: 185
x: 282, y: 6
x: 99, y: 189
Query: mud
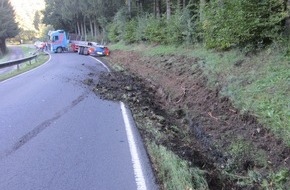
x: 173, y: 91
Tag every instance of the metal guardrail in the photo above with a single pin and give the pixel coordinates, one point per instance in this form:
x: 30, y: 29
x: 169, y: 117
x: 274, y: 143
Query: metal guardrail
x: 18, y: 61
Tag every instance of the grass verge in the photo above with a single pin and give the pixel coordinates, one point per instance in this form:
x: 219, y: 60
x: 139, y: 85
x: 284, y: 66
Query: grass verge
x: 257, y: 84
x: 5, y: 57
x: 42, y: 58
x: 174, y: 172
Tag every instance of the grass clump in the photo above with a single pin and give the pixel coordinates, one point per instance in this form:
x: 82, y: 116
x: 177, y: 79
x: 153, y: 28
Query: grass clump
x: 175, y: 172
x: 244, y: 157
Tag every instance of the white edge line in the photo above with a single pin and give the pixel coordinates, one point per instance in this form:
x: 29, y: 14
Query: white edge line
x: 26, y: 71
x: 104, y: 65
x: 139, y: 177
x: 138, y: 172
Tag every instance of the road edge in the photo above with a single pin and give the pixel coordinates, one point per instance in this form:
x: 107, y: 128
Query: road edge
x: 144, y: 177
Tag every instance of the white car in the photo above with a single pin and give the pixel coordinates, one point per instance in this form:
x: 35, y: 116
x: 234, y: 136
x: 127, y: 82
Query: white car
x: 39, y: 45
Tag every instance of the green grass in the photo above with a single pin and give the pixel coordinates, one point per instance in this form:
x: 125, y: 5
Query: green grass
x: 27, y: 51
x: 5, y: 57
x: 42, y: 58
x: 266, y: 94
x: 120, y: 46
x: 258, y: 84
x: 174, y: 172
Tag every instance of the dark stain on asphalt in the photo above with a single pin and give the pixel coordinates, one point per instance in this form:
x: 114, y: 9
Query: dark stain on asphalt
x: 41, y: 127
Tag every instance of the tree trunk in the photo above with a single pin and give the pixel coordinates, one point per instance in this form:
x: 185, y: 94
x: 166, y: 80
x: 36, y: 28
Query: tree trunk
x: 85, y: 29
x: 201, y: 9
x: 91, y: 28
x: 287, y: 20
x: 158, y: 8
x: 168, y: 9
x: 82, y: 31
x: 129, y: 7
x: 95, y: 29
x: 183, y: 4
x: 3, y: 48
x: 78, y: 28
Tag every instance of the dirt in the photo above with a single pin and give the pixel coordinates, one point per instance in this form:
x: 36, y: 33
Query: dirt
x: 211, y: 133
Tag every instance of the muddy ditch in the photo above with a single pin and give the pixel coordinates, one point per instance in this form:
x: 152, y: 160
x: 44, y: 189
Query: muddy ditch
x: 236, y: 151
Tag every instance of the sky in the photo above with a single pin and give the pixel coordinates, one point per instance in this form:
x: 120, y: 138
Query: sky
x: 25, y: 11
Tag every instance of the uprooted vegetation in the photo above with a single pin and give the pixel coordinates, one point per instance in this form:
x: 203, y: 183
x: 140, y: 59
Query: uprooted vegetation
x: 176, y: 112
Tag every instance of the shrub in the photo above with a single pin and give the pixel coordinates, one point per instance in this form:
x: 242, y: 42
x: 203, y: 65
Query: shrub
x: 243, y: 22
x: 154, y: 31
x: 117, y: 27
x: 130, y: 31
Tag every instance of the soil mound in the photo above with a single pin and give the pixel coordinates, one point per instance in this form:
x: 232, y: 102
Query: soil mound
x: 172, y: 91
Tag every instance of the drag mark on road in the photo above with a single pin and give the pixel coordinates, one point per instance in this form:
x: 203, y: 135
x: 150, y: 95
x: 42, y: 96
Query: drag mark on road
x: 41, y: 127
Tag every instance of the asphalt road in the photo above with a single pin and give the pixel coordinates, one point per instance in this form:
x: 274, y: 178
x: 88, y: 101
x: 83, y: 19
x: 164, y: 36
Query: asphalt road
x: 55, y: 133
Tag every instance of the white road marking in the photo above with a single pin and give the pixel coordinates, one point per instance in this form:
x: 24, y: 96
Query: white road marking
x: 139, y: 177
x: 138, y: 172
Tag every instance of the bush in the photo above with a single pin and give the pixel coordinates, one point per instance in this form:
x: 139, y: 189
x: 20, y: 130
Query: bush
x: 141, y: 27
x: 113, y: 34
x: 181, y: 28
x: 130, y: 31
x: 117, y: 27
x: 154, y: 31
x: 243, y: 22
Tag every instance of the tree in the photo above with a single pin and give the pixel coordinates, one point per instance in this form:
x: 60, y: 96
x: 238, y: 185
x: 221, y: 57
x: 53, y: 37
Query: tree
x: 36, y: 21
x: 9, y: 27
x: 168, y: 9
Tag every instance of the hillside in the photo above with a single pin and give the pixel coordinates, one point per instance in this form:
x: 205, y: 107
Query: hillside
x: 179, y: 101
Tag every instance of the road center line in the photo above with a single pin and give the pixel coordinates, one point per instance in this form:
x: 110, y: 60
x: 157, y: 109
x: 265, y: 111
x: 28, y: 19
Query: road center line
x: 139, y: 177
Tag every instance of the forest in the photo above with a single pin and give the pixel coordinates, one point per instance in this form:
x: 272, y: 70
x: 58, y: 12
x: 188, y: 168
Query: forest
x: 218, y: 24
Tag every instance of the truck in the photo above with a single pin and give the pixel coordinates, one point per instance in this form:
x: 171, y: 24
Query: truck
x: 59, y: 42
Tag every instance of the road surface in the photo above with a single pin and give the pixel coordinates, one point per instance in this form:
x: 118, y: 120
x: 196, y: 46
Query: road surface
x: 57, y: 134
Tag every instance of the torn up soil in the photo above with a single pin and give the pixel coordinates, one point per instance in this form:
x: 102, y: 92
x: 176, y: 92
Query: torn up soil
x: 211, y: 133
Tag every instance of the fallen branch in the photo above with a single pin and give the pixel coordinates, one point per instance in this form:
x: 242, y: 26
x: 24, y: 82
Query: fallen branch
x: 210, y: 114
x: 182, y: 96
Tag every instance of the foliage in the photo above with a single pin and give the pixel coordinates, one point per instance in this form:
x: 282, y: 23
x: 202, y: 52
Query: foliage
x: 181, y: 28
x: 225, y: 24
x: 174, y: 172
x: 24, y: 67
x: 130, y: 31
x: 253, y: 23
x: 9, y: 27
x: 36, y: 21
x: 81, y: 16
x: 155, y: 30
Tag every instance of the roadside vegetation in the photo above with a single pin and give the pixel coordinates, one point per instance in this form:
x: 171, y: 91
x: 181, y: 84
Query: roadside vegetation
x: 5, y: 57
x: 235, y: 51
x: 256, y: 85
x: 24, y: 67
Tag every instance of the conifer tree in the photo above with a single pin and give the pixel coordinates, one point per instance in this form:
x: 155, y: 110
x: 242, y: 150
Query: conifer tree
x: 8, y: 25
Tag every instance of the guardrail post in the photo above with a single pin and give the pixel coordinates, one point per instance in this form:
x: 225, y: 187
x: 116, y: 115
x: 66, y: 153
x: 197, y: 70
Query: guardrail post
x: 17, y: 62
